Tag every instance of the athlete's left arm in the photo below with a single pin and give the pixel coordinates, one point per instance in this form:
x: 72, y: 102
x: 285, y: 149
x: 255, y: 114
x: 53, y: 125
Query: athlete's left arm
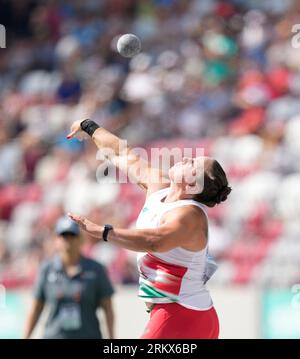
x: 181, y: 227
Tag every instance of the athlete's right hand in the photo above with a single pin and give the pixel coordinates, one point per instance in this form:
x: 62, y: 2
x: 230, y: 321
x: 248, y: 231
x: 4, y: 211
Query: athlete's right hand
x: 76, y: 131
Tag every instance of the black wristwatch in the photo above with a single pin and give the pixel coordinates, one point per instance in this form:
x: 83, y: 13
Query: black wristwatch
x: 107, y: 228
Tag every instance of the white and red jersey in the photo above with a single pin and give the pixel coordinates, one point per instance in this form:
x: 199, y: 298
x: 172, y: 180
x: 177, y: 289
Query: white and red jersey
x: 178, y: 275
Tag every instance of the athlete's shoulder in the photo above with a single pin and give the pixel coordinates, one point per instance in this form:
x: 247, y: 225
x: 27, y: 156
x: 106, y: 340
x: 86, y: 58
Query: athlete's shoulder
x: 187, y: 213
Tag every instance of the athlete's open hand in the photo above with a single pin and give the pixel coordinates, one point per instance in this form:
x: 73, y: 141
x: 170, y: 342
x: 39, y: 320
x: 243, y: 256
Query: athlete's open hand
x: 91, y: 228
x: 76, y: 131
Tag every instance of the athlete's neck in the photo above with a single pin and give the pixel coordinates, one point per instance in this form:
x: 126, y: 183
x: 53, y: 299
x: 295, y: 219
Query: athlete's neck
x: 176, y: 193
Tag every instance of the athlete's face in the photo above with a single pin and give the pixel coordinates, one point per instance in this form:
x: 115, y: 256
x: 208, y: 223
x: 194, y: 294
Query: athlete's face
x: 188, y: 172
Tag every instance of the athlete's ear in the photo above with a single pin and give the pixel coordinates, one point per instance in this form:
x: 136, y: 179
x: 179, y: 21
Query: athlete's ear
x: 193, y: 188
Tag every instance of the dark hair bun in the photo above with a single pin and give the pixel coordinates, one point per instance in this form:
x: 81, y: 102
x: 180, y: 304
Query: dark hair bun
x: 222, y: 194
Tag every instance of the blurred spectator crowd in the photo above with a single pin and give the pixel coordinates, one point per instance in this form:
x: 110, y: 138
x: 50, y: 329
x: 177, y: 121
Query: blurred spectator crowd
x: 221, y: 75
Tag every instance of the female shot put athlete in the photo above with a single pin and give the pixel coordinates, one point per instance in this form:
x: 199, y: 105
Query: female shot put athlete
x: 171, y: 236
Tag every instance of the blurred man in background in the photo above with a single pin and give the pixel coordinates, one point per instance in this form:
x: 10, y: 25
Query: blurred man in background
x: 73, y: 287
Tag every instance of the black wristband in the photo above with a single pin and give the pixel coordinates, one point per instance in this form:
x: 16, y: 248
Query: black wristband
x: 89, y: 127
x: 107, y: 228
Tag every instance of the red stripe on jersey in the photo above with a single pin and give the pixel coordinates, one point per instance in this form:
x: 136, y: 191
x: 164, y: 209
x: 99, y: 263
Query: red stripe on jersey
x: 168, y: 276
